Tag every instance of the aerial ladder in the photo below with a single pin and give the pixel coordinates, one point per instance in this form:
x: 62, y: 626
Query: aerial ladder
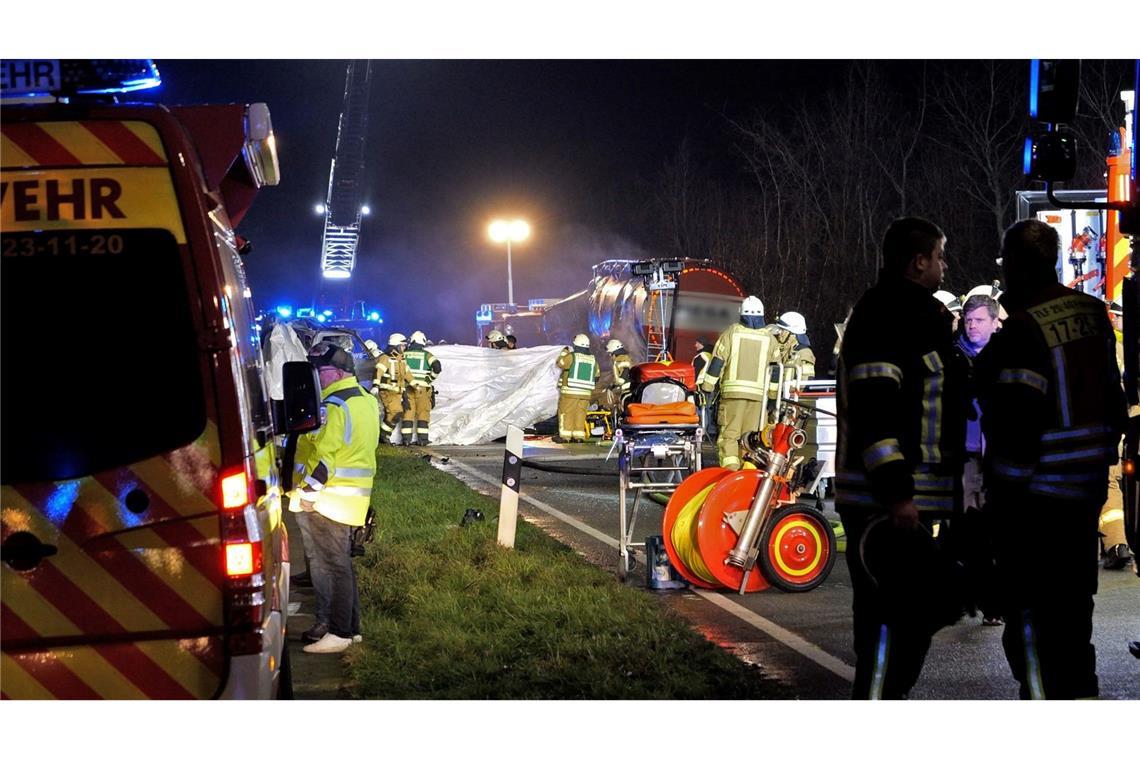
x: 344, y: 206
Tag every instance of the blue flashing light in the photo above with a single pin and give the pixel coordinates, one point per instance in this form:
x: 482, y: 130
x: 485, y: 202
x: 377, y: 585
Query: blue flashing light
x: 374, y: 316
x: 321, y: 318
x: 1027, y: 157
x: 327, y: 312
x: 1034, y: 83
x: 284, y: 311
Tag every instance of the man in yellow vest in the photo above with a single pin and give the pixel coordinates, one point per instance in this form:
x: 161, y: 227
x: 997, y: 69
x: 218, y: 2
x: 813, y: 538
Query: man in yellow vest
x: 424, y: 368
x: 740, y: 365
x: 575, y: 386
x: 339, y: 462
x: 392, y: 379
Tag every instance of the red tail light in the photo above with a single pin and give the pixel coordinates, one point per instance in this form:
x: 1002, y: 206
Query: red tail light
x: 1128, y: 467
x: 235, y: 490
x: 243, y: 559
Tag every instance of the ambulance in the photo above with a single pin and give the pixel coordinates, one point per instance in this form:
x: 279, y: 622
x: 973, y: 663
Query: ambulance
x: 144, y: 553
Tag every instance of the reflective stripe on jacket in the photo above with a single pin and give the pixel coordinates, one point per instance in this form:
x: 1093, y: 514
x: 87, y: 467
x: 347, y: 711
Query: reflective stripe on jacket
x: 422, y: 364
x: 392, y: 373
x: 340, y: 458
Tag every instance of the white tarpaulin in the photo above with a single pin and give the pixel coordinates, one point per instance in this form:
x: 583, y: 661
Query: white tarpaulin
x: 283, y: 346
x: 482, y: 390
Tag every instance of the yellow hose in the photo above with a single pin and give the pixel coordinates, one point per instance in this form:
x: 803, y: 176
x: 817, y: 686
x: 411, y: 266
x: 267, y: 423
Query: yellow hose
x: 684, y: 537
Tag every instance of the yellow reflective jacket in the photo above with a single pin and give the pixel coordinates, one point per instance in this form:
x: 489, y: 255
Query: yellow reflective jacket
x: 740, y: 363
x: 339, y: 459
x: 392, y: 373
x: 579, y: 373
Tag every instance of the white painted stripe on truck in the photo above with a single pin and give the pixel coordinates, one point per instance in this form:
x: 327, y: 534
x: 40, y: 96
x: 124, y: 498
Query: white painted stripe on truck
x: 791, y: 640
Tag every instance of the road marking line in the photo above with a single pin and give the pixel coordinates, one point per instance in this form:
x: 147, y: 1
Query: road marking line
x: 791, y: 640
x: 784, y: 636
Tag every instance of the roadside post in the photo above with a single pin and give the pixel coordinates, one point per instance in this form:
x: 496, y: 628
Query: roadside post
x: 509, y: 498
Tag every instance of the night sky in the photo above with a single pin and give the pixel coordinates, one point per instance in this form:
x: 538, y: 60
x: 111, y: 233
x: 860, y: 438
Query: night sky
x: 452, y: 144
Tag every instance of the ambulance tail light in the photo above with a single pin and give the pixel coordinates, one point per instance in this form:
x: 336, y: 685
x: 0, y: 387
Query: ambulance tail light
x: 246, y: 603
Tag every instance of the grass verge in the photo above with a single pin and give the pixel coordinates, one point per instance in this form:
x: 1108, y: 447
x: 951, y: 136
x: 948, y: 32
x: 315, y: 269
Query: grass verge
x: 449, y: 614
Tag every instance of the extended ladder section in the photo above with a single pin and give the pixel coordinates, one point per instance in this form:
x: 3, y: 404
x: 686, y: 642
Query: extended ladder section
x: 344, y: 206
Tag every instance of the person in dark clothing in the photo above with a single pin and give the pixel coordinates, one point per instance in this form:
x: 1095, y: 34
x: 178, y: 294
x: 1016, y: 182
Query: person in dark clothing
x: 1053, y: 411
x: 901, y: 404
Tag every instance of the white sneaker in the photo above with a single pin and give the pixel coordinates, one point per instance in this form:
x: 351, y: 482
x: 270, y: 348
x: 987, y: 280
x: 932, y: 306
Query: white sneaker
x: 357, y: 638
x: 330, y: 643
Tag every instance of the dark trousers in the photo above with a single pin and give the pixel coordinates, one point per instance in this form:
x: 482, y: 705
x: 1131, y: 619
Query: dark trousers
x: 334, y: 578
x: 1047, y: 592
x: 893, y: 609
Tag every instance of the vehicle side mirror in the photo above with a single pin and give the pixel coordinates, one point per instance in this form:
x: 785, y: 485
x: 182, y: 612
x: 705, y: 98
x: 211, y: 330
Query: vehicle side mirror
x: 301, y: 409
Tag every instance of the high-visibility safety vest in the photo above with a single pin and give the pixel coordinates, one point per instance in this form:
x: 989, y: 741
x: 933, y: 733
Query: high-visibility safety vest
x: 1053, y: 407
x: 391, y: 373
x: 901, y: 399
x: 739, y: 363
x: 338, y: 461
x: 423, y: 366
x: 622, y: 364
x: 579, y: 373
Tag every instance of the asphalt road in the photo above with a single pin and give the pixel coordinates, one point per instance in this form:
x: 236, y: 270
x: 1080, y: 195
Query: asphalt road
x: 802, y: 639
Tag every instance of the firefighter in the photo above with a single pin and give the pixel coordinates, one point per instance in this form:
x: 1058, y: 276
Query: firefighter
x: 338, y: 463
x: 497, y: 340
x: 952, y: 308
x: 1116, y: 554
x: 1053, y: 411
x: 424, y: 369
x: 575, y: 386
x: 392, y: 380
x: 793, y: 349
x: 740, y: 366
x: 622, y: 364
x: 900, y: 398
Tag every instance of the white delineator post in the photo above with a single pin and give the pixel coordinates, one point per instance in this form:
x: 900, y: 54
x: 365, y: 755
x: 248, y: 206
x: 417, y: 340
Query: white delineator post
x: 509, y: 498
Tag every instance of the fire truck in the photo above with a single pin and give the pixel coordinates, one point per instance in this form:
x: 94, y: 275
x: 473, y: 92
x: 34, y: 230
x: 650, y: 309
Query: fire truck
x: 144, y: 551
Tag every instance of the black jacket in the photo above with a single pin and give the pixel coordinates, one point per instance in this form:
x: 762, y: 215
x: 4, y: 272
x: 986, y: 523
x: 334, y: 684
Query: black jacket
x: 901, y: 401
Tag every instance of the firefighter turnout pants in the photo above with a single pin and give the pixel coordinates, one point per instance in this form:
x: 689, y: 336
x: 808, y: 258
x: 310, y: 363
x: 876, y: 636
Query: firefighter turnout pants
x: 391, y: 411
x: 1048, y: 603
x: 735, y: 417
x: 572, y: 416
x: 418, y: 415
x: 897, y: 609
x: 1111, y: 522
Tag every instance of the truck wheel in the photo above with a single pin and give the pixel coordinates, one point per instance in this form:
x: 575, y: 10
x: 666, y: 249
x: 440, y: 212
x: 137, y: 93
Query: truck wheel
x: 797, y: 548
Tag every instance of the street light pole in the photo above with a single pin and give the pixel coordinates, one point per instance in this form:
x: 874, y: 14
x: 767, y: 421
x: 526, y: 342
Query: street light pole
x: 509, y: 232
x: 510, y: 280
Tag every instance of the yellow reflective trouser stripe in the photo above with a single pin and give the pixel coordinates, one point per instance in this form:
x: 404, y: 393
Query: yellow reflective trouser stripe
x: 1024, y: 377
x: 1032, y: 663
x: 881, y: 452
x: 931, y: 411
x: 872, y: 370
x: 1111, y: 516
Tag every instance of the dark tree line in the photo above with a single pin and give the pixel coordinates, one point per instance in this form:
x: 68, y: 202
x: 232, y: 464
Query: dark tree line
x: 813, y: 184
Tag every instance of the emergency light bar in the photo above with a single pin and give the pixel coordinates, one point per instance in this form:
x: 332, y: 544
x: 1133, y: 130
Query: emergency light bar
x: 30, y: 78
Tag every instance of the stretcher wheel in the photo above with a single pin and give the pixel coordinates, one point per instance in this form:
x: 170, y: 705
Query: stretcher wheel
x: 693, y: 487
x: 798, y: 548
x: 716, y: 538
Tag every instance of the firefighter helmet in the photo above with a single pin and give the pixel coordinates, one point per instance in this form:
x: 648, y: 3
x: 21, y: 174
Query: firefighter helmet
x: 495, y: 337
x: 372, y: 347
x: 793, y: 322
x: 418, y: 337
x: 614, y: 345
x: 396, y: 339
x: 581, y: 340
x: 949, y: 300
x: 990, y: 291
x: 752, y: 307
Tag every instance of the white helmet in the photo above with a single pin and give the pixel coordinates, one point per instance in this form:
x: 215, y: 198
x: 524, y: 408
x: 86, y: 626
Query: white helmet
x: 396, y: 339
x: 372, y: 347
x: 752, y: 307
x: 418, y: 337
x: 581, y: 340
x: 614, y: 345
x: 949, y: 300
x: 495, y: 337
x: 990, y: 291
x: 793, y: 322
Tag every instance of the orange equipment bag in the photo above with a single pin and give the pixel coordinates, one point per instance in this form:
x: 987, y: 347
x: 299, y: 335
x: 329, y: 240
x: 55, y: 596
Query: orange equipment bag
x: 678, y: 413
x: 678, y: 372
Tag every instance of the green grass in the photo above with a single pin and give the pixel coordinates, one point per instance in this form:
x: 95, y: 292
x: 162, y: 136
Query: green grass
x: 449, y: 614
